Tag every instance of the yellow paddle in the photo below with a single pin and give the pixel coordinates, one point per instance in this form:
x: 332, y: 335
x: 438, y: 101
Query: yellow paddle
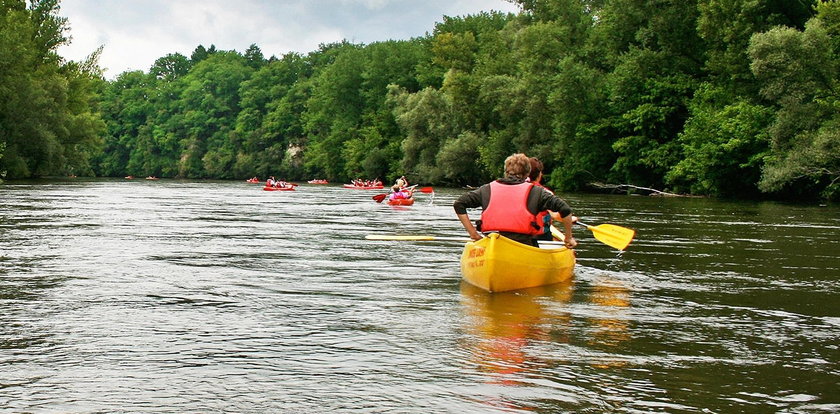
x: 609, y: 234
x: 557, y: 234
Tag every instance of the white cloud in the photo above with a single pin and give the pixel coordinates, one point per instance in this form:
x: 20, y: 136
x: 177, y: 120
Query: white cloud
x: 137, y: 32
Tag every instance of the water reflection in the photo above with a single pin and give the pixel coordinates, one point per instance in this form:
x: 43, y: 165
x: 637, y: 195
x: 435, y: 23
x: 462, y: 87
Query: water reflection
x: 502, y: 325
x: 547, y: 335
x: 610, y: 322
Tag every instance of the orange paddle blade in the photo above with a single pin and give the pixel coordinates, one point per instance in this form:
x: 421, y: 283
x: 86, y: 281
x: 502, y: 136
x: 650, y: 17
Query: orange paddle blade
x: 380, y: 197
x: 426, y: 190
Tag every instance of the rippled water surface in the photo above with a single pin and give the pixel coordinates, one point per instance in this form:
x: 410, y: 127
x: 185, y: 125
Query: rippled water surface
x: 185, y: 296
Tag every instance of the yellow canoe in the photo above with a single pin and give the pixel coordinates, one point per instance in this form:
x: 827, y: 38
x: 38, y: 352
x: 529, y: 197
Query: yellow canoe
x: 498, y: 264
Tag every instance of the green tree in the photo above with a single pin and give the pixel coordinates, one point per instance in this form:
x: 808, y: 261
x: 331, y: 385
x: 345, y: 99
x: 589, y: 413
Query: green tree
x: 798, y: 72
x: 334, y: 109
x: 170, y: 67
x: 652, y: 57
x: 125, y: 109
x: 724, y: 146
x: 727, y: 25
x: 254, y: 56
x: 210, y: 104
x: 48, y: 119
x: 200, y: 53
x: 269, y: 119
x: 428, y: 119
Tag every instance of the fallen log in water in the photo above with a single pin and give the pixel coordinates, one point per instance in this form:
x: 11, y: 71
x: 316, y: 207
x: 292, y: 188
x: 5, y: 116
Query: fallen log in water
x: 634, y: 188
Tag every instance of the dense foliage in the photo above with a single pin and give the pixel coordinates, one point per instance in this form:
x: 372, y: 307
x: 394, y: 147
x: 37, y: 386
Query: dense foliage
x: 49, y: 122
x: 714, y: 97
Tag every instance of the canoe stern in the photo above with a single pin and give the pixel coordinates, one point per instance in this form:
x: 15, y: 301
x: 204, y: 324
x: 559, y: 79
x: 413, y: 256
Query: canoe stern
x: 498, y: 264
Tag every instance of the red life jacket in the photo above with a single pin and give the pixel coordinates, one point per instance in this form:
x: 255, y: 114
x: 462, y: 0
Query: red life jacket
x: 508, y: 210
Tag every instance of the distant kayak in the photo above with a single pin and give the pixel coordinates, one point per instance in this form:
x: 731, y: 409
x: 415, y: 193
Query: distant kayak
x: 279, y: 188
x: 318, y: 182
x: 152, y: 178
x: 360, y: 187
x: 401, y: 201
x: 253, y: 181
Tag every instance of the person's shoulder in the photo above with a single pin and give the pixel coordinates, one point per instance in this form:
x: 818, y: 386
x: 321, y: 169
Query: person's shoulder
x: 484, y: 187
x: 542, y: 192
x: 543, y: 189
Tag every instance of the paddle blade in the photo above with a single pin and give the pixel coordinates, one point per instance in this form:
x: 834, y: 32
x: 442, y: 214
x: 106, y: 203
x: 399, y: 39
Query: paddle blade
x: 379, y: 197
x: 426, y: 190
x: 557, y: 234
x: 614, y: 236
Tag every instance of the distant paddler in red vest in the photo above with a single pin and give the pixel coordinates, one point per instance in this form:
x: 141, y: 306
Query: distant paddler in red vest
x: 511, y: 205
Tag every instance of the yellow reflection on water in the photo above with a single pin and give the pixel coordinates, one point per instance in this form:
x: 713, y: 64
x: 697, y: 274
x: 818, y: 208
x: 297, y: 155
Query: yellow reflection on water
x: 507, y: 332
x: 501, y: 325
x: 610, y: 326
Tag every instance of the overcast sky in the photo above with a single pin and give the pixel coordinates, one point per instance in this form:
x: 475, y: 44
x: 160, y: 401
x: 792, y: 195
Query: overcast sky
x: 137, y: 32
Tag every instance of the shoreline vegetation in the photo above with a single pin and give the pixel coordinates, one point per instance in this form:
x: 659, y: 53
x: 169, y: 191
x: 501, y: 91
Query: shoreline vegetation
x: 690, y: 98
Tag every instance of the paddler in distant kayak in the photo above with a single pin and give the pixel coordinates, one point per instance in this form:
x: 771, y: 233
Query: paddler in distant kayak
x: 400, y: 193
x: 511, y: 204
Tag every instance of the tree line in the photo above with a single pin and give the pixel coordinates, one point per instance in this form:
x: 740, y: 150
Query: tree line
x: 730, y: 98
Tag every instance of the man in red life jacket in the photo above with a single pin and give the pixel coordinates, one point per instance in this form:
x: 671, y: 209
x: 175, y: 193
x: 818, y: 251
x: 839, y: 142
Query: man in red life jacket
x: 511, y: 204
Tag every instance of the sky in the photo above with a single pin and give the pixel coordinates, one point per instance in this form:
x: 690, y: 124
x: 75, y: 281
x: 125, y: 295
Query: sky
x: 135, y: 33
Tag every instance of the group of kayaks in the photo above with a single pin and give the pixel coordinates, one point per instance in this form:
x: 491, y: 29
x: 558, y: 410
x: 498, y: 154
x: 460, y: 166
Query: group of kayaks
x: 377, y: 186
x: 271, y: 185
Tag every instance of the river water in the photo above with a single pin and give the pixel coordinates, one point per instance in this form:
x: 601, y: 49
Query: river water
x: 210, y: 296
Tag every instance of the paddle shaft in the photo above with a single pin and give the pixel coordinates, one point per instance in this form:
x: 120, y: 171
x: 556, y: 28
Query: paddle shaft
x: 386, y: 237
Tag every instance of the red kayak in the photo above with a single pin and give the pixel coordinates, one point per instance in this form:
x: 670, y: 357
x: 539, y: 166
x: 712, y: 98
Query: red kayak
x: 318, y: 182
x: 361, y: 187
x: 279, y: 188
x: 401, y: 202
x: 252, y: 181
